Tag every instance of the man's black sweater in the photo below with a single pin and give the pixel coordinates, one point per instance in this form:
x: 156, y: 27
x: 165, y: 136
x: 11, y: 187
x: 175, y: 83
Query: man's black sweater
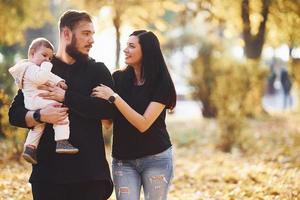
x: 85, y: 113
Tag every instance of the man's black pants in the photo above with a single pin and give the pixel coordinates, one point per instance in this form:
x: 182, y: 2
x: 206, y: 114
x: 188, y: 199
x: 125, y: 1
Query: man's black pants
x: 94, y: 190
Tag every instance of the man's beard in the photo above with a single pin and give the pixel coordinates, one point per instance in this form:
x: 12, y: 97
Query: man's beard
x: 73, y: 51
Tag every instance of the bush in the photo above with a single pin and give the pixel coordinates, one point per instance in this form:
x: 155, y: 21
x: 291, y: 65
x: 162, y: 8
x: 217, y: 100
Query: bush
x: 4, y: 106
x: 203, y: 79
x: 237, y: 94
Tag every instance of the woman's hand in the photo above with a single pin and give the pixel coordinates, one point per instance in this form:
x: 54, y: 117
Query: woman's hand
x: 102, y: 92
x: 52, y: 92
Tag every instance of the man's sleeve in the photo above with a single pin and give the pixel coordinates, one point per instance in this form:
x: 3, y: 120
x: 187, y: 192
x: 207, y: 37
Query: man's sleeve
x: 17, y: 111
x: 92, y: 107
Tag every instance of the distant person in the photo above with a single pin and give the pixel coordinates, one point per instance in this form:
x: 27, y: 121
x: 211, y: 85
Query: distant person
x: 85, y: 175
x: 286, y: 86
x: 270, y: 84
x: 142, y: 150
x: 28, y: 75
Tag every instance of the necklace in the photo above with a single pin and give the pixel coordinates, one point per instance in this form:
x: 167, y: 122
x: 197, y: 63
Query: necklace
x: 139, y: 82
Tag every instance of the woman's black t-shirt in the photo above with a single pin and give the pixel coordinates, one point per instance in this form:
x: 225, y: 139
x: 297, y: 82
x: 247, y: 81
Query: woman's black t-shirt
x: 128, y: 142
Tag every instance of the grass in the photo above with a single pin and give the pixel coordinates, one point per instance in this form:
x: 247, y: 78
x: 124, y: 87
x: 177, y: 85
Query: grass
x: 267, y: 168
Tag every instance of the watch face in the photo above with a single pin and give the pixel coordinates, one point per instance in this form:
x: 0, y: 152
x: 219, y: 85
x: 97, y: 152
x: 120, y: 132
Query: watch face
x: 111, y: 99
x: 37, y: 116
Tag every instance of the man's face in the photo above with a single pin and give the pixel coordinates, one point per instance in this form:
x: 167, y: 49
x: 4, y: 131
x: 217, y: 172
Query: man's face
x: 82, y: 40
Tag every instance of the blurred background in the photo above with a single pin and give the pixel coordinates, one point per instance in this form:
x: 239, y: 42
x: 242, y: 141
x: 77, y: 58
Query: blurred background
x: 236, y: 68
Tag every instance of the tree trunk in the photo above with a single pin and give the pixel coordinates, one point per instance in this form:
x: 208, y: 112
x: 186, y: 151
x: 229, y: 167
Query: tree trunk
x: 209, y: 110
x: 2, y: 135
x: 117, y: 23
x: 254, y: 43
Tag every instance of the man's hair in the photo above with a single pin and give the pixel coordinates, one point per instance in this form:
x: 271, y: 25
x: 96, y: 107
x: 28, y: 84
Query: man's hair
x: 71, y: 18
x: 39, y: 42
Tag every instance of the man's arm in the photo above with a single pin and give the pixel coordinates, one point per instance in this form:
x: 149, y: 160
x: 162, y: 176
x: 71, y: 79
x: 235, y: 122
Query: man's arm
x: 86, y: 106
x: 17, y: 112
x: 92, y: 107
x: 21, y: 117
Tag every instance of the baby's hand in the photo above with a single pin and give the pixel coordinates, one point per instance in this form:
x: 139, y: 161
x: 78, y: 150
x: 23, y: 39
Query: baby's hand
x: 62, y: 84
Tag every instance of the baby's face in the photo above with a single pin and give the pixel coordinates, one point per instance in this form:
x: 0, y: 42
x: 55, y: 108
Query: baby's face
x: 41, y: 54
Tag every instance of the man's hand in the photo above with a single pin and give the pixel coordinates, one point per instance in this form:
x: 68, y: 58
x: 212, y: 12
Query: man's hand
x: 54, y: 113
x: 52, y: 92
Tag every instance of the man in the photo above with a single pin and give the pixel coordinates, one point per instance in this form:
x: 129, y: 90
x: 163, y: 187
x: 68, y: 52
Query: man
x: 286, y: 84
x: 86, y: 175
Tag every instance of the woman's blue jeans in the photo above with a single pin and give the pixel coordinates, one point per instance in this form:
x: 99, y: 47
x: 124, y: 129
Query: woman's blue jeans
x: 153, y: 172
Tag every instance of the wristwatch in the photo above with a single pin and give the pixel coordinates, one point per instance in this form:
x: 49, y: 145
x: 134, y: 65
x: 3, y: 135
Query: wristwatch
x: 37, y: 116
x: 112, y: 98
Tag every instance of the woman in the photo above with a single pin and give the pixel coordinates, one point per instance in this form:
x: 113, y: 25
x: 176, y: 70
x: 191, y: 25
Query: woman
x: 142, y: 152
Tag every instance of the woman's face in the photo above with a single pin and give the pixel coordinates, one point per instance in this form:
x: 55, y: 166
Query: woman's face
x: 133, y: 52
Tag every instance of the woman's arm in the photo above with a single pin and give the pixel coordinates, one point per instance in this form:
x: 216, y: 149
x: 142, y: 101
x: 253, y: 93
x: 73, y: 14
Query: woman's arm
x: 141, y: 122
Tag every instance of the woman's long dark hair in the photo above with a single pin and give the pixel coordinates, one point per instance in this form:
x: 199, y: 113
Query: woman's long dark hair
x: 154, y: 69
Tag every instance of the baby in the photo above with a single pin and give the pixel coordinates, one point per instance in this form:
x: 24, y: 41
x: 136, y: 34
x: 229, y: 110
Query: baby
x: 28, y: 75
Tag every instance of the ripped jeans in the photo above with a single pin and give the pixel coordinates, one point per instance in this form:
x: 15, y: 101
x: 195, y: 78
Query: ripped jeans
x: 153, y: 172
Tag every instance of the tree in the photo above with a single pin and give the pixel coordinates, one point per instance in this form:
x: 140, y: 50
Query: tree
x: 21, y: 15
x: 17, y: 16
x: 136, y: 13
x: 287, y: 16
x: 251, y: 21
x: 6, y: 81
x: 285, y: 13
x: 203, y: 79
x: 254, y: 21
x: 254, y: 42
